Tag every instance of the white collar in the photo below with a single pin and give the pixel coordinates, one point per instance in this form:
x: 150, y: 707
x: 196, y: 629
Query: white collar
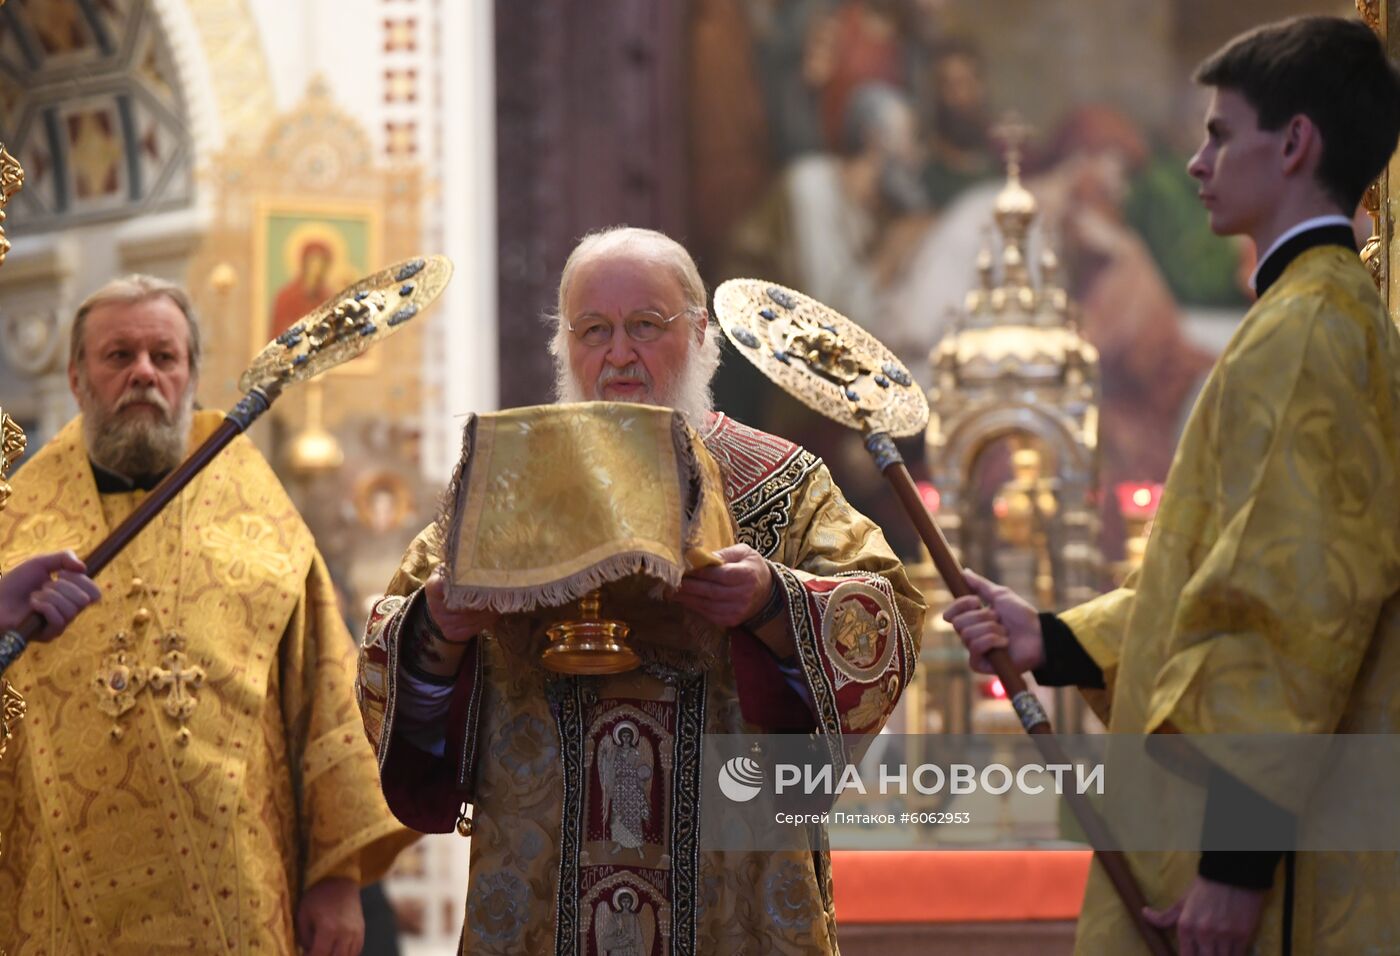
x: 1316, y: 222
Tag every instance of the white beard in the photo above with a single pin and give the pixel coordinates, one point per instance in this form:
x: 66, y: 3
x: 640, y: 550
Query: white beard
x: 688, y: 394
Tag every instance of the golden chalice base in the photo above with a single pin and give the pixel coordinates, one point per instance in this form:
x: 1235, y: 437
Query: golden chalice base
x: 589, y: 647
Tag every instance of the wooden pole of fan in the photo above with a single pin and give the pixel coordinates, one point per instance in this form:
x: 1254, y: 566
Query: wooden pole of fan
x: 257, y: 401
x: 1033, y: 717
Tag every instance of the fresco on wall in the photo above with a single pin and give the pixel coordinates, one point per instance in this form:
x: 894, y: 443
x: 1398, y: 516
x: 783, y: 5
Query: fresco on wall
x: 867, y: 177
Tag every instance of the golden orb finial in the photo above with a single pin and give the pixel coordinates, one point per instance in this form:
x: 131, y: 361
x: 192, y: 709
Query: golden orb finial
x: 1016, y: 208
x: 223, y: 277
x: 314, y: 450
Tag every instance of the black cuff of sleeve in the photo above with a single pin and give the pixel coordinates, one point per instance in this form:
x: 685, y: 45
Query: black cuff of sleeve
x: 1067, y: 664
x: 1238, y: 816
x: 417, y: 627
x: 775, y: 605
x: 1246, y: 869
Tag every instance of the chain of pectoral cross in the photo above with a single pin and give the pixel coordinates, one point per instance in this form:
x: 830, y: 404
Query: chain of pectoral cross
x: 122, y: 677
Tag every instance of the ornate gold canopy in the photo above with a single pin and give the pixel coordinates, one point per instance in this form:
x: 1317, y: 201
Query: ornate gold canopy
x: 1013, y: 433
x: 1373, y: 253
x: 1016, y: 368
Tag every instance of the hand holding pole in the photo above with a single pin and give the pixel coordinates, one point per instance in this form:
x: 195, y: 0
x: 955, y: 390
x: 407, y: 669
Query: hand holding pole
x: 344, y: 327
x: 843, y: 372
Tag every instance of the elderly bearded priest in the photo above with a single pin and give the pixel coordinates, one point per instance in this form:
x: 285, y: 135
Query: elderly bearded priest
x: 462, y: 722
x: 190, y: 777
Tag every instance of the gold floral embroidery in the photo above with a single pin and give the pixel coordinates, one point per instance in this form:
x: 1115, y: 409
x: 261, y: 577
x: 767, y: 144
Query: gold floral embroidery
x: 131, y: 807
x: 555, y: 501
x: 875, y: 703
x: 246, y: 541
x: 12, y: 709
x: 46, y: 531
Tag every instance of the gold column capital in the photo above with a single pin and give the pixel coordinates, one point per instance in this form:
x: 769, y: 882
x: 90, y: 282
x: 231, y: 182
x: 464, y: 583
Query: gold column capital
x: 12, y: 442
x: 11, y: 179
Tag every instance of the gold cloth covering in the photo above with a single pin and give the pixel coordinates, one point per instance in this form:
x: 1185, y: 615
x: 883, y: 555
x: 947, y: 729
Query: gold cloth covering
x: 554, y: 501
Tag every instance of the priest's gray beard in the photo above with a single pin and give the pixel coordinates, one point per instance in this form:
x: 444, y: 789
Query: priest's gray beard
x: 689, y: 394
x: 135, y: 446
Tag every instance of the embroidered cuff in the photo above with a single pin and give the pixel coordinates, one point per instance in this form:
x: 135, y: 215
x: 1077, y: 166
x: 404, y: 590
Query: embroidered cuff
x: 11, y: 647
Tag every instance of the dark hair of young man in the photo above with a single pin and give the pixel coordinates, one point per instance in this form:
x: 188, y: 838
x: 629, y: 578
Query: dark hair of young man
x: 1335, y: 72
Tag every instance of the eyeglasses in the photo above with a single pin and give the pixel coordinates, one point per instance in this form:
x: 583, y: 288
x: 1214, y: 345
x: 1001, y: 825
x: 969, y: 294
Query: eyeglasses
x: 644, y: 326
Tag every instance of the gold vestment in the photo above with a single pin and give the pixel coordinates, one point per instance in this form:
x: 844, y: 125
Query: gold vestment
x: 1267, y: 598
x: 586, y: 793
x: 193, y: 820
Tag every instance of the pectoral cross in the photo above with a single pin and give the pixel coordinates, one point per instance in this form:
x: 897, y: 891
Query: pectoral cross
x: 181, y: 678
x: 119, y: 680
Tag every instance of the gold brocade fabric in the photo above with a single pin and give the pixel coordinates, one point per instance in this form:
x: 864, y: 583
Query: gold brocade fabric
x: 1266, y: 601
x: 554, y: 501
x: 140, y: 844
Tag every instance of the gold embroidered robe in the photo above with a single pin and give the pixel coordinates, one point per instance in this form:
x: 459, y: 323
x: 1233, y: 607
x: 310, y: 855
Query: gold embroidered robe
x: 1267, y: 600
x: 141, y: 844
x: 620, y: 755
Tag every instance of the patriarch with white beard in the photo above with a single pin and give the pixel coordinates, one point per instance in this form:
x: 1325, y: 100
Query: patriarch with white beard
x: 632, y: 326
x: 648, y: 274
